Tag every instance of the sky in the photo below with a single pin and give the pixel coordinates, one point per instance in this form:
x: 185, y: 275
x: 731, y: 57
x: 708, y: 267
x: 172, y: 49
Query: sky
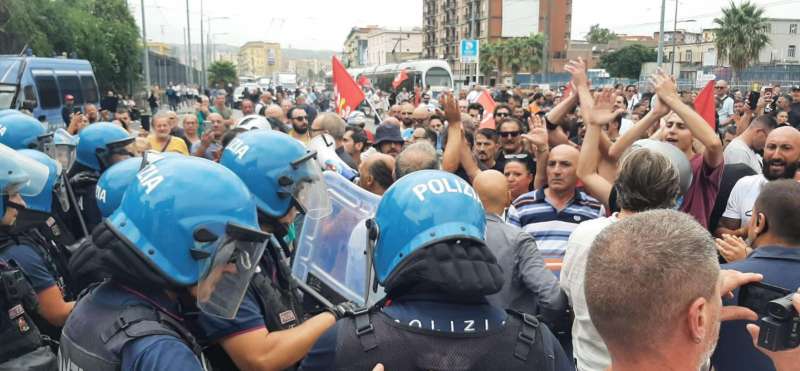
x: 324, y: 25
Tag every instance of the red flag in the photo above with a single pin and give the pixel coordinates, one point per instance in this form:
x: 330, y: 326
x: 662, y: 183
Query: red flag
x: 706, y: 105
x: 417, y: 96
x: 348, y: 92
x: 401, y: 76
x: 488, y: 104
x: 363, y: 80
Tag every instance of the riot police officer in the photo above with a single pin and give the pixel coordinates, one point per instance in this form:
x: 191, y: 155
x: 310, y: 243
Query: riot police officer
x: 169, y: 254
x: 268, y: 331
x: 100, y: 145
x: 429, y: 254
x: 19, y: 131
x: 23, y: 347
x: 43, y: 263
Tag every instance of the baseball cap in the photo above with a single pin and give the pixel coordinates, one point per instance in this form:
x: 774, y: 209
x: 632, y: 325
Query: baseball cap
x: 69, y: 97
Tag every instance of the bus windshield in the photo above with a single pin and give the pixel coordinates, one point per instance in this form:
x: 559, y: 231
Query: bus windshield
x: 437, y: 76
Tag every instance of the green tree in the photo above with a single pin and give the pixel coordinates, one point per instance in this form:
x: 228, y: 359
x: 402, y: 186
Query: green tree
x: 598, y: 35
x: 741, y: 34
x: 100, y: 31
x: 627, y: 62
x: 222, y: 73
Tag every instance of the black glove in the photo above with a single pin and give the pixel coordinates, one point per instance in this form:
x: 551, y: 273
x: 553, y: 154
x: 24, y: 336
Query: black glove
x: 343, y: 310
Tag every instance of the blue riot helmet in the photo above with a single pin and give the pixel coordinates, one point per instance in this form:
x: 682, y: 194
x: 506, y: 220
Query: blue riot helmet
x: 43, y: 201
x: 6, y: 112
x: 279, y: 171
x: 112, y: 184
x: 19, y: 175
x: 61, y: 146
x: 98, y: 143
x: 193, y: 222
x: 421, y: 209
x: 20, y: 131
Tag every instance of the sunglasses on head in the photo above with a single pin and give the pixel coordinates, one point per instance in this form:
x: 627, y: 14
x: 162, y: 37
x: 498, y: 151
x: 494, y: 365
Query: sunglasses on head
x: 508, y: 134
x: 518, y: 156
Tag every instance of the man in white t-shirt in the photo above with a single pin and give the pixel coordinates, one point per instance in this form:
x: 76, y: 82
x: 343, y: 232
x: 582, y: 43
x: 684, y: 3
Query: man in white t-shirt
x: 743, y: 148
x: 647, y: 180
x: 781, y: 156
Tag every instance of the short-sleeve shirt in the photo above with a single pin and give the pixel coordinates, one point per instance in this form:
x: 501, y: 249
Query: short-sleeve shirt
x: 699, y: 199
x: 737, y: 152
x: 175, y: 145
x: 32, y: 264
x: 743, y: 198
x: 551, y: 228
x: 248, y: 318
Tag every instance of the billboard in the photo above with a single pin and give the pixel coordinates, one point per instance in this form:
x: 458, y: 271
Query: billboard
x: 520, y: 18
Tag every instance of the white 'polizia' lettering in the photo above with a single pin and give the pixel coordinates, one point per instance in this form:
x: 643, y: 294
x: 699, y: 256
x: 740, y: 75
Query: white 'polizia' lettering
x: 443, y: 185
x: 149, y: 178
x: 238, y: 148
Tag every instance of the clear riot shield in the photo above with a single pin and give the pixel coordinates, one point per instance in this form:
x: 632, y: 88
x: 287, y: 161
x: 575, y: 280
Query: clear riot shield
x: 330, y: 254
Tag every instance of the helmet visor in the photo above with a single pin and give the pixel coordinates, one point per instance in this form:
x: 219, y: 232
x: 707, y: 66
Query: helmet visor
x: 62, y: 148
x: 310, y: 192
x: 21, y: 174
x: 225, y: 280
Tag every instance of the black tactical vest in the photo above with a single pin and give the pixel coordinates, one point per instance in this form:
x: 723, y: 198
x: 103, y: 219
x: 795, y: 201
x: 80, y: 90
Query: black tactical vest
x: 278, y: 300
x: 372, y: 337
x: 96, y: 332
x: 22, y: 346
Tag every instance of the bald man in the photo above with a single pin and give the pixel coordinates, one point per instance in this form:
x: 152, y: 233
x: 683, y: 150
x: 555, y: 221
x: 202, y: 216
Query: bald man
x: 550, y: 214
x: 376, y: 173
x: 781, y: 158
x: 529, y: 287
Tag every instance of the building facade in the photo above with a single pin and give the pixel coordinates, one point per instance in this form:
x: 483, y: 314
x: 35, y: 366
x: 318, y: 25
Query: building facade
x: 393, y: 46
x: 356, y: 45
x: 259, y: 58
x: 784, y: 41
x: 447, y: 22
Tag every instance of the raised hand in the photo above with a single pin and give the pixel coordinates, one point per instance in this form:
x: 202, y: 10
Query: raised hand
x: 603, y: 111
x: 732, y: 248
x: 451, y: 111
x: 578, y: 71
x: 664, y: 85
x: 537, y: 135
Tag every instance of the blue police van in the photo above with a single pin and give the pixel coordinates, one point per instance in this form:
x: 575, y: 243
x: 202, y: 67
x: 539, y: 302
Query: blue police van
x: 42, y: 83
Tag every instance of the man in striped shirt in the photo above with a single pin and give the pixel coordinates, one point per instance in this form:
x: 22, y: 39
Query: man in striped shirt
x: 550, y: 214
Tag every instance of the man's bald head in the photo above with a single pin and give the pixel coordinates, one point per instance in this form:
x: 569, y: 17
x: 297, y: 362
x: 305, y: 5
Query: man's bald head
x: 420, y: 113
x: 377, y: 173
x: 275, y: 111
x: 392, y: 121
x: 787, y: 132
x: 492, y: 188
x: 561, y: 168
x: 781, y: 153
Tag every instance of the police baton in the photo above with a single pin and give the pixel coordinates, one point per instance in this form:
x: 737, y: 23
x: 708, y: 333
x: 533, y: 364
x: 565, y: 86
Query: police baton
x: 74, y: 202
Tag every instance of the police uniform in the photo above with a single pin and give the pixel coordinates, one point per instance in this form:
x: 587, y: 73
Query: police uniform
x: 271, y: 301
x: 115, y: 327
x: 424, y: 332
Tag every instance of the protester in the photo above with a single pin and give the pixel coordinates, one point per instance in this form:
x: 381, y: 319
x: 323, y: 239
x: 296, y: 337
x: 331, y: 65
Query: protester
x: 486, y: 147
x: 620, y: 279
x: 331, y: 124
x: 209, y: 146
x: 354, y: 143
x: 161, y: 140
x: 247, y: 107
x: 388, y: 139
x: 300, y: 124
x: 91, y: 113
x: 190, y: 128
x: 743, y: 148
x: 416, y: 157
x: 376, y: 173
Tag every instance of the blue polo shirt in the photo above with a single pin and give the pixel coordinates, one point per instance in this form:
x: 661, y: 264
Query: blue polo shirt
x: 780, y: 267
x: 32, y: 264
x: 550, y: 227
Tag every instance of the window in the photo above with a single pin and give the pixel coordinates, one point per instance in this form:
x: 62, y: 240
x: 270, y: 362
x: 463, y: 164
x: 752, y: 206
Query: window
x: 669, y: 58
x: 791, y: 52
x: 793, y: 28
x: 89, y: 87
x: 48, y: 91
x: 72, y: 86
x: 689, y: 56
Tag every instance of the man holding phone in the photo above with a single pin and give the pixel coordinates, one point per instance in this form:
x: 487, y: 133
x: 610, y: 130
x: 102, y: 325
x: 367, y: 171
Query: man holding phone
x: 774, y: 234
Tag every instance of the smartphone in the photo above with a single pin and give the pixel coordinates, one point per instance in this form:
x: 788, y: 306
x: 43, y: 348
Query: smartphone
x: 752, y: 99
x: 756, y: 296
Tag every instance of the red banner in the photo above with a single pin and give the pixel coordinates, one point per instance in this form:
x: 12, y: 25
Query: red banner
x: 706, y: 105
x: 488, y: 104
x: 348, y: 92
x: 401, y: 76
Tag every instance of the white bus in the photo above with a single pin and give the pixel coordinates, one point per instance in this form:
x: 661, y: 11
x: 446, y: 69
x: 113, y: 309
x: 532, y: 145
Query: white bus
x: 431, y: 74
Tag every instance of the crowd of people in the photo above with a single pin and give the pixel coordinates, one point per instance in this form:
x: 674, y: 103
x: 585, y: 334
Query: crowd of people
x: 587, y: 228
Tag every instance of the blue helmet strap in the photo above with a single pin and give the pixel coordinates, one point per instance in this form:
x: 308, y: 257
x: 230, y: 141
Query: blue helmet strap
x: 371, y: 284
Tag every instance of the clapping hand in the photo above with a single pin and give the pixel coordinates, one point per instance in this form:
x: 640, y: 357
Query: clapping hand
x: 578, y: 71
x: 451, y: 112
x: 537, y: 135
x: 664, y: 85
x: 603, y: 111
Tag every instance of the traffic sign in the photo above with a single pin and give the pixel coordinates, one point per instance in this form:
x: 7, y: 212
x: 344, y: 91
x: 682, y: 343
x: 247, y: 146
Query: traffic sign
x: 469, y: 50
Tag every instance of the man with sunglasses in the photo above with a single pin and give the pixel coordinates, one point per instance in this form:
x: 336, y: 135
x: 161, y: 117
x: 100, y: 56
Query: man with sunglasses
x: 298, y: 118
x: 510, y: 141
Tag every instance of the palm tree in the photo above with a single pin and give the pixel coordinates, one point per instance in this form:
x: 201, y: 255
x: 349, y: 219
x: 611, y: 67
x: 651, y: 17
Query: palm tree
x: 741, y: 34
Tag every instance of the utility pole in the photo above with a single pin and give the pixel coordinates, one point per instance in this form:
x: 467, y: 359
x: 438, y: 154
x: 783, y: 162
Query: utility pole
x: 660, y: 58
x: 186, y: 54
x: 146, y: 51
x: 675, y: 39
x: 189, y: 44
x: 203, y: 77
x: 546, y: 43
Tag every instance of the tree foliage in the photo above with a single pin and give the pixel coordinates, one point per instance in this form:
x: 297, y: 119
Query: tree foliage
x: 100, y: 31
x: 517, y: 54
x: 627, y: 62
x: 222, y: 73
x: 741, y: 34
x: 598, y: 35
